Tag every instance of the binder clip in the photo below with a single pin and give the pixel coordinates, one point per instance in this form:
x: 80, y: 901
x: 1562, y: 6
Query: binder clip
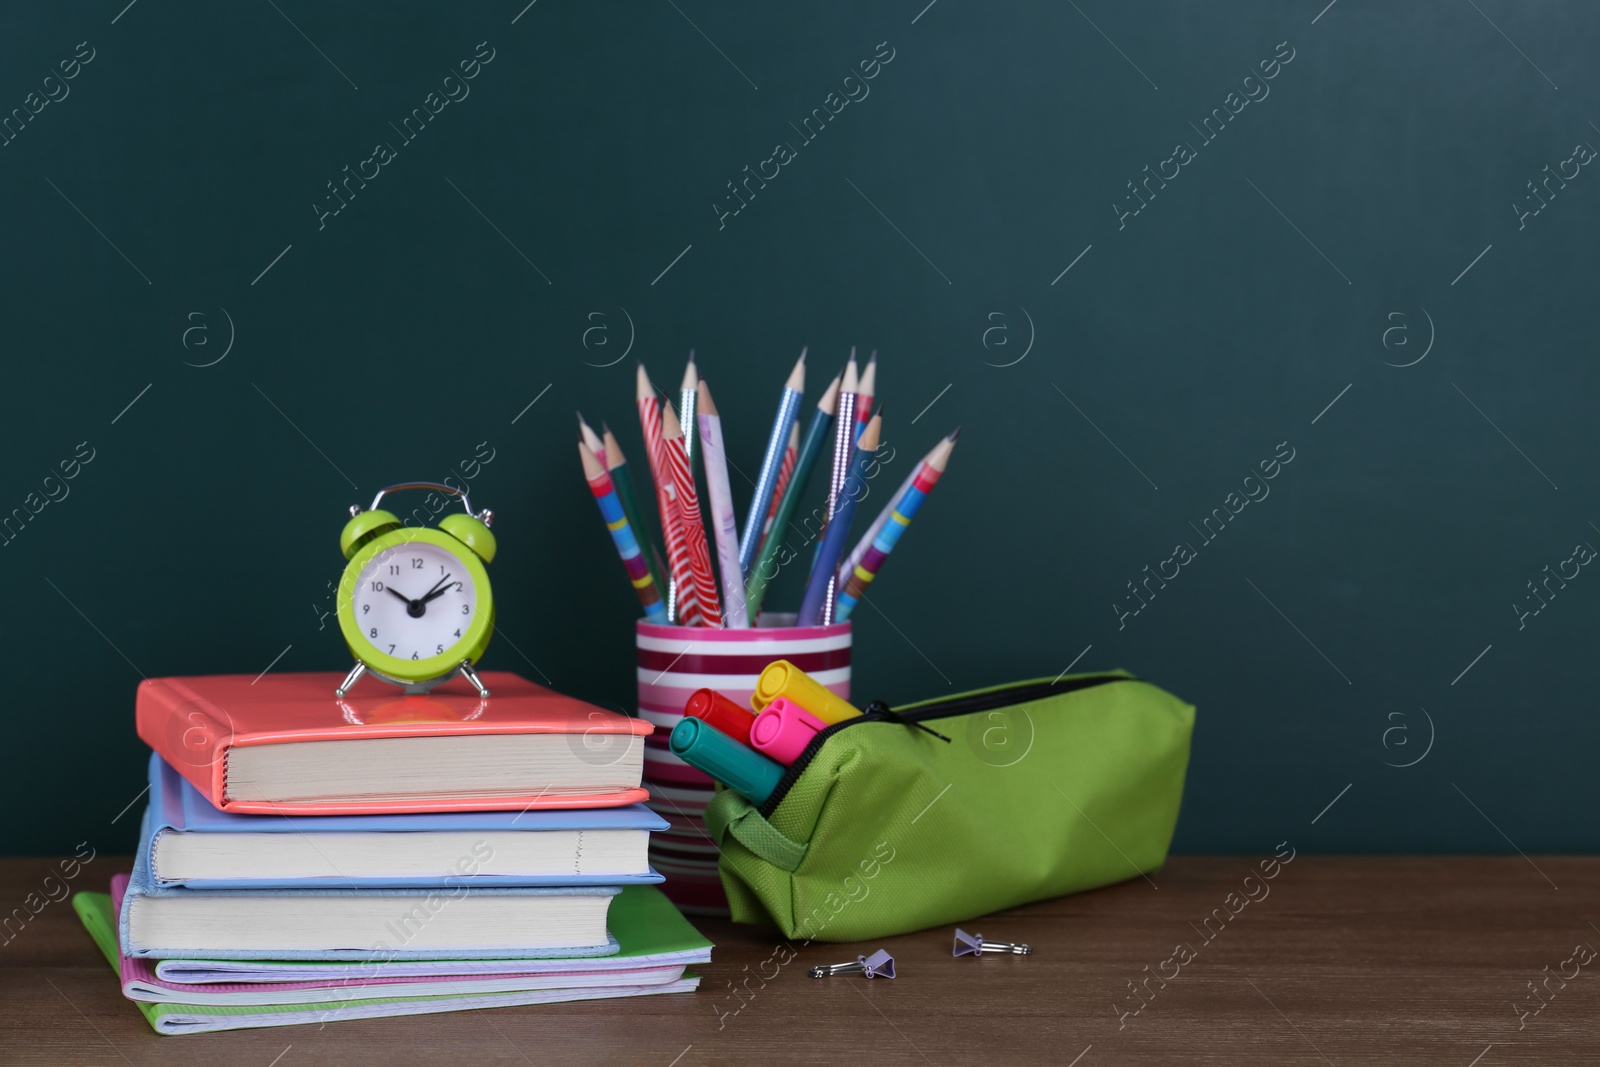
x: 974, y: 945
x: 878, y: 965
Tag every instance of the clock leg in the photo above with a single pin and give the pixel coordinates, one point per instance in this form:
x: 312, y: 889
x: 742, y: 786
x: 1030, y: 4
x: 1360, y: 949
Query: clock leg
x: 471, y: 676
x: 350, y: 680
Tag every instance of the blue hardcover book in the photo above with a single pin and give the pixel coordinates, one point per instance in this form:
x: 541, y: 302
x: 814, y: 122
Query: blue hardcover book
x: 448, y: 922
x: 194, y: 844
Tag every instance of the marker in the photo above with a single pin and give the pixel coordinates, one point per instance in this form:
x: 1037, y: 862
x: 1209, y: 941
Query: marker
x: 708, y: 749
x: 784, y: 730
x: 710, y: 706
x: 783, y: 679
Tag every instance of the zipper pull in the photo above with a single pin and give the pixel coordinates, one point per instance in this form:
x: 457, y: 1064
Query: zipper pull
x: 878, y: 707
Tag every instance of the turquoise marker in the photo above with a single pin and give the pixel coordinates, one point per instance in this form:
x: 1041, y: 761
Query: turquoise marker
x: 741, y: 769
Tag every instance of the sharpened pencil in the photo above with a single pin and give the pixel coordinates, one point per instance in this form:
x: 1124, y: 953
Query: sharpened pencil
x: 771, y: 463
x: 724, y: 525
x: 816, y: 438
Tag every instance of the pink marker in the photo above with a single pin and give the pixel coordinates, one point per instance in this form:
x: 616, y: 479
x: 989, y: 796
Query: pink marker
x: 783, y: 729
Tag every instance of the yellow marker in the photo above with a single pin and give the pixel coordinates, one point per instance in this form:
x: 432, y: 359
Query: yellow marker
x: 783, y: 679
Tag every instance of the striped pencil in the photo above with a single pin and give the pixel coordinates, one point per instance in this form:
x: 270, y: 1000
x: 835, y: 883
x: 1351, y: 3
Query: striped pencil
x: 688, y: 397
x: 714, y: 458
x: 605, y: 495
x: 766, y: 565
x: 927, y: 476
x: 818, y: 606
x: 682, y: 607
x: 690, y: 524
x: 867, y: 391
x: 871, y: 535
x: 686, y: 400
x: 845, y: 435
x: 591, y: 440
x: 766, y: 482
x: 785, y: 472
x: 617, y: 466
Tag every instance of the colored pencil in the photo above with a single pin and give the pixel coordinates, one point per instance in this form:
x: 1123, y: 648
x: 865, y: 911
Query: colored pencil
x: 687, y: 398
x: 766, y: 565
x: 622, y: 478
x: 871, y: 535
x: 845, y: 435
x: 867, y: 391
x: 681, y: 606
x: 714, y: 458
x: 591, y: 440
x: 622, y: 535
x: 785, y: 472
x: 818, y: 606
x: 691, y: 525
x: 927, y: 476
x: 767, y: 480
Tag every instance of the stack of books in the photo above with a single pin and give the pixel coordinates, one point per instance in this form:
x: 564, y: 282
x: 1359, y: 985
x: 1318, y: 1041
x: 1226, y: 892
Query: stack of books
x: 305, y: 858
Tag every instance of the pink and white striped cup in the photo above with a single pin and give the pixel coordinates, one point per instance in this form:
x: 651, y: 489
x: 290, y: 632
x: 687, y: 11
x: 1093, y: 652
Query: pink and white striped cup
x: 674, y: 661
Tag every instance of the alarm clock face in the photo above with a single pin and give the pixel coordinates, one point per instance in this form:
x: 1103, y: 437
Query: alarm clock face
x: 415, y: 601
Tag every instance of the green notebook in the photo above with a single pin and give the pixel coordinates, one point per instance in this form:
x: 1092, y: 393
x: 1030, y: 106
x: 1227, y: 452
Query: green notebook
x: 641, y: 918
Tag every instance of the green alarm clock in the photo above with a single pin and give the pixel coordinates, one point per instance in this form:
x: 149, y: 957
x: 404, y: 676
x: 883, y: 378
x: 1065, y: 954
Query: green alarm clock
x: 414, y: 603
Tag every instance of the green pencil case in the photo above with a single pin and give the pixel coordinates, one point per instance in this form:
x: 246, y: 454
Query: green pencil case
x: 938, y: 812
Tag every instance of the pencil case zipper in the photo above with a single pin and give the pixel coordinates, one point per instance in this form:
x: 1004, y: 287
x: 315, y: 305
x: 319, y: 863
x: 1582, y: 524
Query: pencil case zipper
x: 992, y: 700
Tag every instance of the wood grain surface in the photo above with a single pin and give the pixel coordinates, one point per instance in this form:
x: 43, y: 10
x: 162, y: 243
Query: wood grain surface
x: 1341, y: 960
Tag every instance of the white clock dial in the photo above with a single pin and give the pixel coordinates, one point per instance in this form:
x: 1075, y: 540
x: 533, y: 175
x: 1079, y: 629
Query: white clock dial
x: 414, y: 601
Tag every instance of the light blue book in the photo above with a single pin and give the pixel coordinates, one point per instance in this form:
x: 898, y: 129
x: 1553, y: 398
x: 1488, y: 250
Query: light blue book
x: 447, y: 922
x: 194, y: 844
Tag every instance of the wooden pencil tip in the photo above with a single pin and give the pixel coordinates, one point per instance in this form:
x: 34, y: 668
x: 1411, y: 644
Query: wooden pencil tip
x: 703, y: 392
x: 851, y: 381
x: 830, y: 398
x: 868, y: 386
x: 614, y: 456
x: 868, y: 441
x: 591, y: 465
x: 955, y: 433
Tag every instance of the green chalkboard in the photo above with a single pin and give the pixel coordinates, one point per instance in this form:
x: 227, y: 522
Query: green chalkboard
x: 1270, y: 328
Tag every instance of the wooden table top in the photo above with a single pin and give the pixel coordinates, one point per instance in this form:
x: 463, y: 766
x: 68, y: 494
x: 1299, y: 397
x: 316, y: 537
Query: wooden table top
x: 1341, y: 960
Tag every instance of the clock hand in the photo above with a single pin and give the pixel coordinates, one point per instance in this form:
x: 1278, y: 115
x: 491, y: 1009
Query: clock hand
x: 438, y: 590
x: 414, y: 608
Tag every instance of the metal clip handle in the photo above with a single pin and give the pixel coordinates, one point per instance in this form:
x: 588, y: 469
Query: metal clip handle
x: 485, y: 516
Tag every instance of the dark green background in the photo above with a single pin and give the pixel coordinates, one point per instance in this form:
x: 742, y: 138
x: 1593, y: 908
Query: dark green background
x: 203, y: 536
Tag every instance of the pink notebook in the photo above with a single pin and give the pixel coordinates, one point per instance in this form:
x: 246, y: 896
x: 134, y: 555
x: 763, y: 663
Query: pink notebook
x: 379, y: 751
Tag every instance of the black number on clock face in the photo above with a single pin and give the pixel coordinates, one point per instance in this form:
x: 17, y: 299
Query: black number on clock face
x: 416, y: 564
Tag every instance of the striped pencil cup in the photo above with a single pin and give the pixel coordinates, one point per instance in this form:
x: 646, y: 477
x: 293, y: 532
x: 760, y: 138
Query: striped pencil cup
x: 674, y: 661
